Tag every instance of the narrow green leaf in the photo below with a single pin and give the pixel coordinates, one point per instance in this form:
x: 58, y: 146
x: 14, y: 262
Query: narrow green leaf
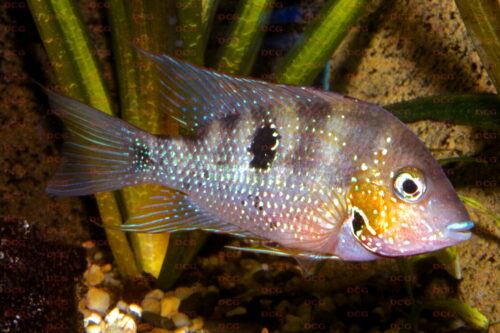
x: 477, y: 205
x: 140, y: 106
x: 190, y: 29
x: 308, y: 57
x: 468, y: 313
x: 466, y: 159
x: 481, y: 20
x: 238, y: 55
x: 209, y: 7
x: 448, y: 258
x: 472, y: 110
x: 78, y: 74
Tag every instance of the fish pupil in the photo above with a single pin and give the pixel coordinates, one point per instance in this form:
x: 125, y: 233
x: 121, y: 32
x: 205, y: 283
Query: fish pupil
x: 263, y: 147
x: 409, y: 186
x: 358, y: 223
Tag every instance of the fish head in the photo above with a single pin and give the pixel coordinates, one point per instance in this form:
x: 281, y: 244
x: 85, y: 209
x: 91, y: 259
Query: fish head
x: 401, y: 203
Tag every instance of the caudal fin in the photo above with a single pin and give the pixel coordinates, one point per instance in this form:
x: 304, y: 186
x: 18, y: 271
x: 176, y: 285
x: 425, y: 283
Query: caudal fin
x: 102, y: 153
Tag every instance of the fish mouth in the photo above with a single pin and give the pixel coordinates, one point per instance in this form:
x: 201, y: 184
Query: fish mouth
x: 459, y: 231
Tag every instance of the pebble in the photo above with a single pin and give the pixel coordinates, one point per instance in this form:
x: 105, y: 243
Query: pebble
x: 94, y: 275
x: 119, y: 323
x: 305, y: 312
x: 183, y: 292
x: 156, y: 294
x: 181, y: 330
x: 93, y: 329
x: 135, y: 310
x: 238, y: 311
x: 92, y: 319
x: 196, y: 323
x: 98, y: 300
x: 122, y: 306
x: 106, y: 268
x: 180, y: 319
x: 82, y: 307
x: 212, y: 289
x: 169, y: 305
x: 292, y: 324
x: 160, y: 330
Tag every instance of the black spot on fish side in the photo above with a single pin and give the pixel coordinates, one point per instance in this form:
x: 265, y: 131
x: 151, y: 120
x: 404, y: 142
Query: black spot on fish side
x: 264, y: 145
x: 142, y: 158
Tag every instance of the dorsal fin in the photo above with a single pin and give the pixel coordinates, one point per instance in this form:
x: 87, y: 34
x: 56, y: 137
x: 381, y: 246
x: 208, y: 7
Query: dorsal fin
x: 195, y: 96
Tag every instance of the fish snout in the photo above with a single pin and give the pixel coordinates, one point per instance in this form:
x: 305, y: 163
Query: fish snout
x: 459, y: 231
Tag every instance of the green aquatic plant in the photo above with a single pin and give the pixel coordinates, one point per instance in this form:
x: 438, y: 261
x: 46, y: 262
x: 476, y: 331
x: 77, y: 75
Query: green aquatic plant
x: 79, y: 76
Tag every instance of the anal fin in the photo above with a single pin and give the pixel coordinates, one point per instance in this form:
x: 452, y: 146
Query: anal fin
x: 172, y: 211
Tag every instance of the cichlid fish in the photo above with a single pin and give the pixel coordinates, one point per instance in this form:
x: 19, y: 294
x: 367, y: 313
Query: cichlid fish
x: 310, y: 173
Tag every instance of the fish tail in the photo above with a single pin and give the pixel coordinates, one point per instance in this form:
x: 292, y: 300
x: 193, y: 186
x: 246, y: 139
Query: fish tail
x: 101, y: 153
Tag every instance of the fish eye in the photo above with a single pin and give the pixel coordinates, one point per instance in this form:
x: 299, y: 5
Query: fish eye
x: 409, y: 184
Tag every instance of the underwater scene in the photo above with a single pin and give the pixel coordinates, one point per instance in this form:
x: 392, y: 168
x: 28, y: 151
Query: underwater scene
x: 249, y: 166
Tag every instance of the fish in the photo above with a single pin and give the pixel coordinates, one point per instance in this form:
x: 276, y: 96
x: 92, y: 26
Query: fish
x: 301, y: 171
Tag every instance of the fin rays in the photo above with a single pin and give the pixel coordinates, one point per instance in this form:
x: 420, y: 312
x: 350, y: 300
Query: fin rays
x: 196, y: 96
x: 99, y: 152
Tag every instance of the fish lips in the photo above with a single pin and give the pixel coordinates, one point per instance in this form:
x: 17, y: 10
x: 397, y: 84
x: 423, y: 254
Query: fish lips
x: 459, y: 231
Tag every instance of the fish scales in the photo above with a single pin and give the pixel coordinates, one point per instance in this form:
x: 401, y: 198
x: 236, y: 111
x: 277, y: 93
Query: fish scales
x: 316, y: 173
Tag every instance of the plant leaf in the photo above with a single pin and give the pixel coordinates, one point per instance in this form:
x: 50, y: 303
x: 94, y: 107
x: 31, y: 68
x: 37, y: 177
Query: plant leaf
x: 468, y: 313
x: 477, y: 205
x: 311, y: 52
x: 238, y: 55
x: 473, y: 110
x: 481, y: 20
x: 77, y: 72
